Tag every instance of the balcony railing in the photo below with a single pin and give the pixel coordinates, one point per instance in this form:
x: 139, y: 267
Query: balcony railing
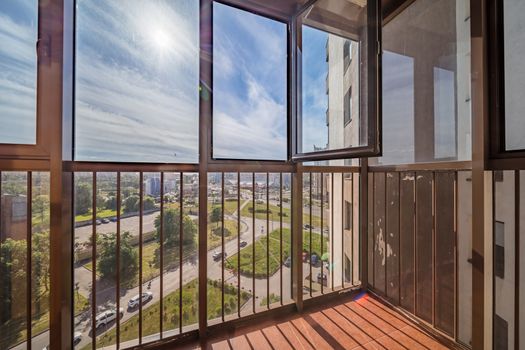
x: 269, y: 240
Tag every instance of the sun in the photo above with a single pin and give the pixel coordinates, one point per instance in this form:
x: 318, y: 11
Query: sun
x: 159, y: 39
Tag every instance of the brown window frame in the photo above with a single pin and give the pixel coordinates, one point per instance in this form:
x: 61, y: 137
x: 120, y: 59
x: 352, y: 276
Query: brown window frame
x: 41, y: 149
x: 373, y: 145
x: 496, y: 86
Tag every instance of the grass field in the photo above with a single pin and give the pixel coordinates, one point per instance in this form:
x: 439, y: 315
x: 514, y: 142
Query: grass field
x: 274, y: 213
x: 246, y: 264
x: 151, y: 314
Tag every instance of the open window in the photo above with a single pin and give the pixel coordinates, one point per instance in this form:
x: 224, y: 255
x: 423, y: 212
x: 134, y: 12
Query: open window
x: 338, y: 81
x: 507, y: 78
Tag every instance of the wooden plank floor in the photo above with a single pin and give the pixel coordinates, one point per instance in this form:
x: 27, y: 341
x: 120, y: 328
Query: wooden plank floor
x: 361, y: 323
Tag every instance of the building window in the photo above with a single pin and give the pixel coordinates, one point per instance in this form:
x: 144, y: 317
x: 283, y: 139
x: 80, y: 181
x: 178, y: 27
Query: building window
x: 348, y: 215
x: 347, y: 53
x: 348, y: 107
x: 499, y: 250
x: 501, y: 333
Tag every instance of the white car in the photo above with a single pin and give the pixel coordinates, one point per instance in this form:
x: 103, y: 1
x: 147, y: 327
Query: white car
x: 107, y: 316
x: 134, y: 302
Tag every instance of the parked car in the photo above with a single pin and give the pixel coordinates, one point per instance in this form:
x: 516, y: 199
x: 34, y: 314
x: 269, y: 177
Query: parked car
x: 306, y: 226
x: 217, y: 256
x: 77, y: 338
x: 105, y: 317
x: 288, y: 262
x: 134, y: 302
x: 243, y: 244
x: 98, y: 222
x: 323, y: 277
x: 113, y: 219
x: 105, y: 221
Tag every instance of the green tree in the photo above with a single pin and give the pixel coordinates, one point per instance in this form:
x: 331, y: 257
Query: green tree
x: 82, y: 198
x: 13, y: 267
x: 132, y: 204
x: 111, y: 203
x: 149, y: 203
x: 216, y: 215
x: 40, y: 206
x: 171, y: 227
x: 107, y: 264
x: 100, y: 201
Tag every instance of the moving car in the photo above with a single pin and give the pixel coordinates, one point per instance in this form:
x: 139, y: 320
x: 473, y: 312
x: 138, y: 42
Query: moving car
x: 288, y: 262
x: 134, y: 302
x: 243, y: 244
x: 217, y: 256
x: 107, y: 316
x: 77, y: 338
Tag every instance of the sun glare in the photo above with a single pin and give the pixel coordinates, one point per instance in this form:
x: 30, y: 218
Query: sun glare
x: 160, y: 39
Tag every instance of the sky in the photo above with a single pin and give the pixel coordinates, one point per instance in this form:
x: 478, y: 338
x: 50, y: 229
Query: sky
x: 314, y: 98
x: 18, y: 33
x: 249, y: 85
x: 137, y: 78
x: 137, y: 75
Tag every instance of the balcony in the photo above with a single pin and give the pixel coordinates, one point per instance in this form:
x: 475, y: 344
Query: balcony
x: 161, y: 187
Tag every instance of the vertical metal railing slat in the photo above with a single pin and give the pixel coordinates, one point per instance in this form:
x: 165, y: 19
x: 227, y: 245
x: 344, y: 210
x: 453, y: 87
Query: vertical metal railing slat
x: 118, y: 260
x: 141, y: 221
x: 29, y: 246
x: 267, y: 241
x: 94, y: 259
x: 181, y: 241
x: 161, y: 250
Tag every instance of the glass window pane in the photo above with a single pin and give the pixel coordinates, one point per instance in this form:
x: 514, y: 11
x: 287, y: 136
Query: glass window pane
x: 514, y: 31
x: 426, y: 84
x: 137, y: 76
x: 18, y: 69
x: 249, y: 85
x: 331, y: 116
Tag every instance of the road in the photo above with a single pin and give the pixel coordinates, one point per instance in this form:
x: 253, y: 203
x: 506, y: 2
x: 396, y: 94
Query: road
x: 106, y: 291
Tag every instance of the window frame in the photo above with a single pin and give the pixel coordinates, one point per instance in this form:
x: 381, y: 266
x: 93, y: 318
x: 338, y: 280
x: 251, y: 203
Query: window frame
x: 496, y: 87
x: 44, y: 130
x: 289, y: 92
x: 373, y: 148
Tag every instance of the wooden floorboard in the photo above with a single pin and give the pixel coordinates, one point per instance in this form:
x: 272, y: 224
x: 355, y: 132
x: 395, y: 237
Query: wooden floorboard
x: 361, y: 323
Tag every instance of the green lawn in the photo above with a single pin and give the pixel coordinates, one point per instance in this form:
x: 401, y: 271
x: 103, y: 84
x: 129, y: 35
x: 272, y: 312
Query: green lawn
x: 246, y: 265
x: 274, y: 212
x: 190, y: 307
x: 106, y: 213
x: 214, y: 232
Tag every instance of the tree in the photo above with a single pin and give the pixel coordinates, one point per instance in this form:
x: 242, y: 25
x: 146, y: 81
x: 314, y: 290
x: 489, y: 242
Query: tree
x: 171, y: 227
x: 132, y: 204
x: 149, y: 203
x: 40, y: 205
x: 100, y: 201
x: 13, y: 267
x: 216, y: 215
x: 82, y: 198
x: 107, y: 263
x: 111, y: 203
